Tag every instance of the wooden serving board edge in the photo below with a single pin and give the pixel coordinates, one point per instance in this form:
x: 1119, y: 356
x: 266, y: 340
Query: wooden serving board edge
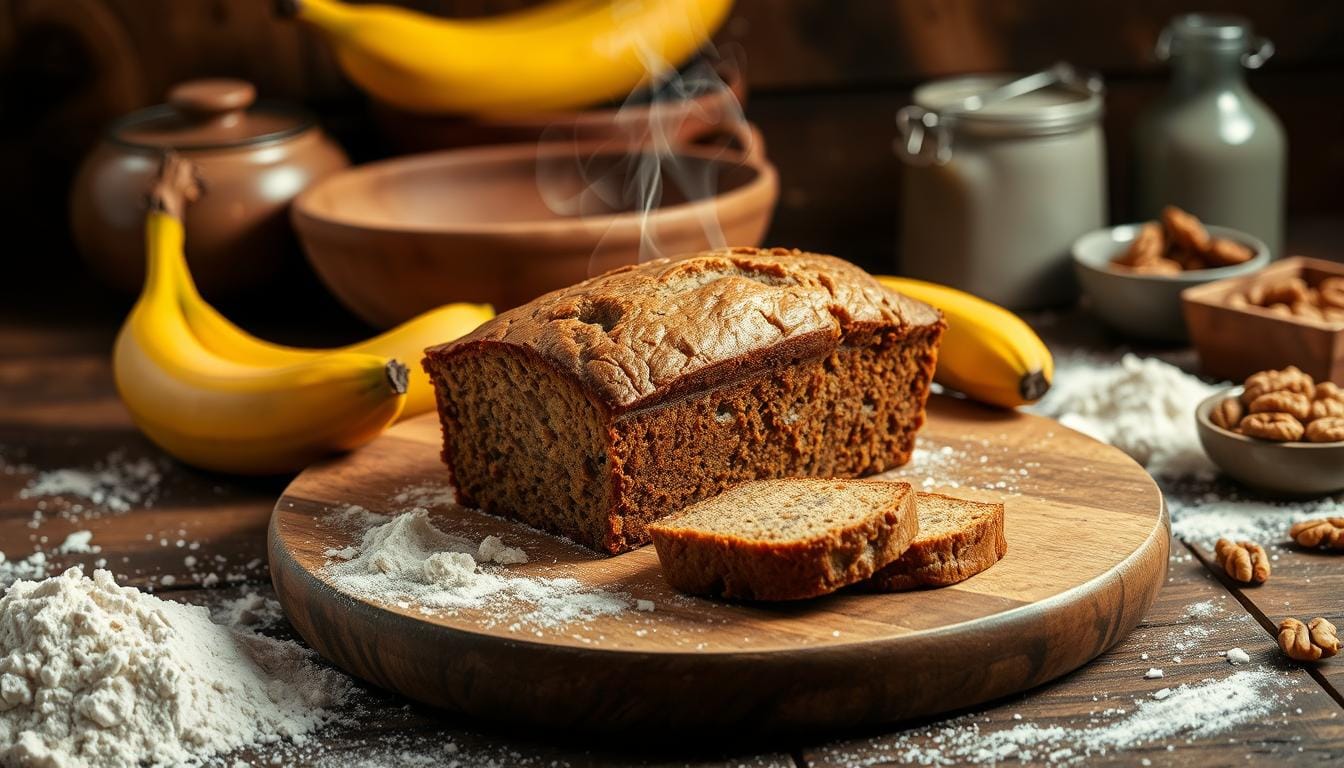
x: 814, y: 689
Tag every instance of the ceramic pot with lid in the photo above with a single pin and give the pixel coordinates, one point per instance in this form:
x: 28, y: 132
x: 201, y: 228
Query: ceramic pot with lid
x: 253, y: 158
x: 1002, y: 174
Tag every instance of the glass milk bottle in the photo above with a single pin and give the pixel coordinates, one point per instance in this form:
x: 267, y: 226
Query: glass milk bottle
x: 1211, y: 146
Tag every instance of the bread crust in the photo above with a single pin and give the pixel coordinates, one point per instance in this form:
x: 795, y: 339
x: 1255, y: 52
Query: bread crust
x: 744, y: 568
x: 946, y: 559
x: 691, y: 376
x: 638, y: 335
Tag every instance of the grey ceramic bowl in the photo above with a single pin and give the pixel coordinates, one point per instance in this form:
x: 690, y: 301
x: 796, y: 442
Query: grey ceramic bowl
x: 1147, y: 306
x: 1285, y: 469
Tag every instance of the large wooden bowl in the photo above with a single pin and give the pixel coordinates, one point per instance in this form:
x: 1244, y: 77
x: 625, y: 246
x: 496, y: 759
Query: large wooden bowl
x: 505, y: 224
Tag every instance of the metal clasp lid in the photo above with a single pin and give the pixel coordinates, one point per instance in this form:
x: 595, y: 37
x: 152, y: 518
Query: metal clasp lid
x: 1223, y: 29
x: 925, y: 135
x: 915, y: 123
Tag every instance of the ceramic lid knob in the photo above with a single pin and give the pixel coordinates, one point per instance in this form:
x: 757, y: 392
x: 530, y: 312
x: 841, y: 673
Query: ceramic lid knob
x: 213, y: 97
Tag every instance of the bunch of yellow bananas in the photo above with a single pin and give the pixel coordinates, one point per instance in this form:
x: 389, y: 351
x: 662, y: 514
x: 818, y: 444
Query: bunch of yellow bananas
x: 216, y: 397
x: 988, y: 353
x: 560, y: 54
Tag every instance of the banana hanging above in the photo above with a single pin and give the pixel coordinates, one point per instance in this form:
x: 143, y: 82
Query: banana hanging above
x: 562, y: 54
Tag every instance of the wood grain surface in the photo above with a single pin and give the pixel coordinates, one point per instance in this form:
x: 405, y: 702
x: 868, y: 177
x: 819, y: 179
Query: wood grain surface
x: 58, y: 410
x: 1087, y: 547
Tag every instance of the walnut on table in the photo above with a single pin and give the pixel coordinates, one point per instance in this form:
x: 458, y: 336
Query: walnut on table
x: 1312, y: 641
x: 1321, y: 532
x: 1243, y: 561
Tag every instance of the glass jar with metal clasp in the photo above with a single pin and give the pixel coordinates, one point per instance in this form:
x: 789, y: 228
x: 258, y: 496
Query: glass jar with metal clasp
x: 1002, y: 174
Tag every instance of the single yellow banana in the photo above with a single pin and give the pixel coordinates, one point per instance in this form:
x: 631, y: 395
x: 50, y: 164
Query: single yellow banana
x: 405, y: 342
x: 988, y: 353
x: 566, y: 54
x: 228, y: 416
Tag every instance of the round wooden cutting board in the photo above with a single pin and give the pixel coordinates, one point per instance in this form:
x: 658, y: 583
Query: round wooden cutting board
x: 1087, y: 552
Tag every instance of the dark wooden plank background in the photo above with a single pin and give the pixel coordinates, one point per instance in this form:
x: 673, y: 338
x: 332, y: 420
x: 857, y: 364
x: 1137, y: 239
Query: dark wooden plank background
x: 826, y: 78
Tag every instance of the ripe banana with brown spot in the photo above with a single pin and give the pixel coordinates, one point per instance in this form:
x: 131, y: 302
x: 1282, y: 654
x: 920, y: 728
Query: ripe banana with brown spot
x: 988, y: 353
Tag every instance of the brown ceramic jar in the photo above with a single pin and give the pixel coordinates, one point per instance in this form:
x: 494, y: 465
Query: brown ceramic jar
x: 253, y: 160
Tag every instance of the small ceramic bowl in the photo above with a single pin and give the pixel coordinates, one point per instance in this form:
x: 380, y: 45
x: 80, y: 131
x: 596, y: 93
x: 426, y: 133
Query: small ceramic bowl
x: 1147, y: 306
x: 1284, y: 469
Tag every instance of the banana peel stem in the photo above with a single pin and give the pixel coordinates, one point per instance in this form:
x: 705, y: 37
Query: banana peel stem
x: 398, y: 376
x: 1033, y: 386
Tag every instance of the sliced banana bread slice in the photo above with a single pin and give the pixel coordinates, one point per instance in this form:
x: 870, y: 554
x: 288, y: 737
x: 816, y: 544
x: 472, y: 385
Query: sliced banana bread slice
x: 785, y: 539
x: 957, y: 539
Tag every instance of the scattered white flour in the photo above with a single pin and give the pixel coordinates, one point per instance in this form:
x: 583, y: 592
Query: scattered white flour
x: 248, y: 610
x: 79, y: 543
x: 411, y: 563
x: 980, y: 464
x: 1238, y: 656
x: 115, y: 483
x: 111, y: 677
x: 1143, y: 406
x: 352, y: 515
x: 644, y: 605
x: 1153, y: 674
x: 492, y: 550
x: 344, y: 553
x: 428, y: 495
x: 1206, y: 517
x: 1202, y: 610
x: 32, y: 567
x: 1187, y: 711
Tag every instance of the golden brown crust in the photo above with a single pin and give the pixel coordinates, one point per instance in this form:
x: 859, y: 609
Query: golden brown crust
x: 840, y: 392
x: 638, y: 334
x: 745, y: 567
x: 940, y: 560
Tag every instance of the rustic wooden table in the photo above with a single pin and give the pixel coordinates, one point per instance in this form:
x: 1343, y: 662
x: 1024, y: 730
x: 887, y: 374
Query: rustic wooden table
x: 58, y: 408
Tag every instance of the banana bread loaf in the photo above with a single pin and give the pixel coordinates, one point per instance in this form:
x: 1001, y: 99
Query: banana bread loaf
x: 599, y: 408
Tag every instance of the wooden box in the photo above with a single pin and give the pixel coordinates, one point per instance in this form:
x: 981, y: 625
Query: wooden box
x: 1235, y: 342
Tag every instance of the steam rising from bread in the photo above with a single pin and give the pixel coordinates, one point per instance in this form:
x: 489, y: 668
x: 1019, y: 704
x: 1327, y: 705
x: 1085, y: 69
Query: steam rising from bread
x: 652, y: 121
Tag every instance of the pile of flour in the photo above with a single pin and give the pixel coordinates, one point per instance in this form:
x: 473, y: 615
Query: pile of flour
x: 1142, y: 406
x: 94, y: 674
x: 408, y: 562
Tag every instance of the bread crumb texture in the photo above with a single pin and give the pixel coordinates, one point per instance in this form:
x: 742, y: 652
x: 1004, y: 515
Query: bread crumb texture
x: 786, y: 539
x: 596, y: 409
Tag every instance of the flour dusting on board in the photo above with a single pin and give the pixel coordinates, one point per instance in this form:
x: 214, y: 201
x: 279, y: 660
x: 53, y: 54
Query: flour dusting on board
x: 408, y: 562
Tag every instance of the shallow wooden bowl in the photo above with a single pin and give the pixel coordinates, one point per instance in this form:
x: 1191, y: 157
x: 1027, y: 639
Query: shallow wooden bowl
x: 505, y: 224
x: 1235, y: 342
x: 1281, y: 469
